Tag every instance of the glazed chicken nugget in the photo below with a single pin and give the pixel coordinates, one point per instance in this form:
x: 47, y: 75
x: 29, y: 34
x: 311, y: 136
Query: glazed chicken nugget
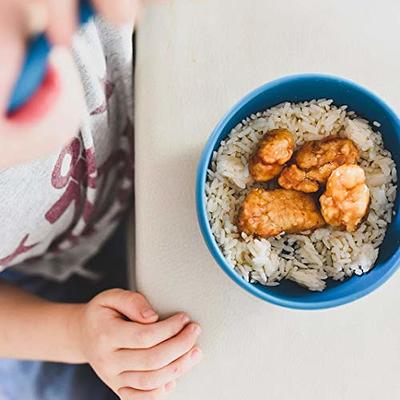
x: 315, y: 161
x: 268, y: 213
x: 295, y: 178
x: 275, y: 149
x: 346, y: 199
x: 317, y: 153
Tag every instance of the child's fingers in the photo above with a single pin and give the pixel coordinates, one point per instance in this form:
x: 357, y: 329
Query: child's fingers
x: 118, y: 12
x: 132, y: 305
x: 127, y: 393
x: 161, y: 355
x: 62, y: 21
x: 154, y: 379
x: 12, y: 48
x: 37, y: 17
x: 136, y: 336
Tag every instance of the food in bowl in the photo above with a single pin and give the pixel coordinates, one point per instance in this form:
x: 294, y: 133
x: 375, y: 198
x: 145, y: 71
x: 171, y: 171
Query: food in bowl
x: 274, y: 150
x: 346, y: 198
x: 269, y: 213
x: 315, y: 161
x: 349, y: 210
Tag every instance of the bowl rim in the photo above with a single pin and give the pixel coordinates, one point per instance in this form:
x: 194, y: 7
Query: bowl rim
x: 202, y: 212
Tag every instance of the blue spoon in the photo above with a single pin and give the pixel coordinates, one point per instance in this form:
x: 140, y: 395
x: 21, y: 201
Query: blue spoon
x: 35, y: 64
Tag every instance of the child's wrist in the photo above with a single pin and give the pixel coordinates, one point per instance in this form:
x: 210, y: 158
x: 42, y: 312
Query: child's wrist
x: 72, y: 318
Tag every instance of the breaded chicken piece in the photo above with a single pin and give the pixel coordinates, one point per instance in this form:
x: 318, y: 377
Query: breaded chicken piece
x: 274, y: 150
x: 268, y: 213
x: 295, y: 178
x: 317, y: 153
x: 346, y: 199
x: 315, y: 161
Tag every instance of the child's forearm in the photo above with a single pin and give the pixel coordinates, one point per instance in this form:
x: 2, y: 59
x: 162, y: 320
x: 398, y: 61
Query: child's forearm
x: 36, y: 329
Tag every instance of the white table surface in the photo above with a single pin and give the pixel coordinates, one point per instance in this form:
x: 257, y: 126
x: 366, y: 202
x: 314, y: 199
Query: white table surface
x: 195, y: 59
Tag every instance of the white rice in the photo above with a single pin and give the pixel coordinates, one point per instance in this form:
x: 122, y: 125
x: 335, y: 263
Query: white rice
x: 308, y: 259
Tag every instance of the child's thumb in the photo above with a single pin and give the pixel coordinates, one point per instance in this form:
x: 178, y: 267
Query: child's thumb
x: 132, y: 305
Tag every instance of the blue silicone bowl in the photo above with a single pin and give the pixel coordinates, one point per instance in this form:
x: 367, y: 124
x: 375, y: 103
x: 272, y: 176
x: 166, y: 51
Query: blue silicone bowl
x: 300, y: 88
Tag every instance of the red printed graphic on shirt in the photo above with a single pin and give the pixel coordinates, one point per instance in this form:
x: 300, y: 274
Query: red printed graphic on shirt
x: 108, y: 88
x: 20, y: 249
x: 112, y: 178
x: 79, y: 174
x: 93, y: 192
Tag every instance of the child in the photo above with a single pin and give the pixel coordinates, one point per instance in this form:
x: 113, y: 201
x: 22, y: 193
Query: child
x: 63, y: 193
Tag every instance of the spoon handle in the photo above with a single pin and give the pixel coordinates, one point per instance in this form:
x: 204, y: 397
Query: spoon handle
x: 35, y: 63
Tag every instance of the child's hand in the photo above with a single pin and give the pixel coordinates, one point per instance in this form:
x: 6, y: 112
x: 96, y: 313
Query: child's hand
x: 62, y: 15
x: 136, y: 356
